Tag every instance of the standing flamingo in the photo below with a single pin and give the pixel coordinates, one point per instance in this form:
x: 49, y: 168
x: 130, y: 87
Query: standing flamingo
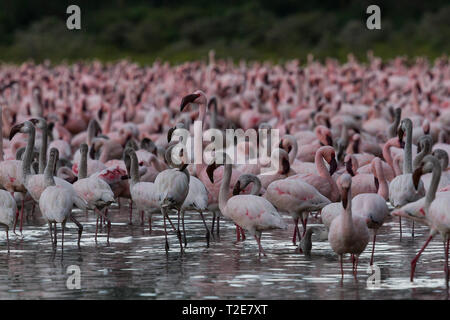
x: 255, y: 214
x: 402, y: 190
x: 348, y: 233
x: 95, y: 191
x: 431, y: 210
x: 56, y: 202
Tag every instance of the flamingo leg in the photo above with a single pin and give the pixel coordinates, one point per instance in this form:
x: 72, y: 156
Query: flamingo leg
x: 446, y: 263
x: 294, y: 237
x: 184, y: 230
x: 33, y: 208
x: 261, y: 250
x: 15, y: 221
x: 412, y: 231
x: 242, y: 233
x: 55, y: 239
x: 150, y: 223
x: 304, y: 223
x: 7, y: 237
x: 400, y: 222
x: 131, y: 212
x: 51, y: 232
x: 102, y: 215
x: 218, y: 224
x: 178, y: 231
x: 356, y: 266
x: 213, y: 221
x: 63, y: 226
x: 118, y: 202
x: 416, y: 258
x: 21, y: 214
x: 96, y: 230
x: 80, y: 228
x: 373, y: 247
x: 165, y: 230
x: 238, y: 233
x: 342, y: 267
x: 206, y: 227
x: 142, y: 217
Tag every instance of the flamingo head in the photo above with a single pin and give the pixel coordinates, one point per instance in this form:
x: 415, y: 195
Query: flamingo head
x: 330, y: 156
x: 324, y: 135
x: 197, y: 97
x: 25, y: 127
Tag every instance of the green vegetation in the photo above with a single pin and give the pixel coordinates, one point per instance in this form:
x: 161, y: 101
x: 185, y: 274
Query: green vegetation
x: 183, y: 30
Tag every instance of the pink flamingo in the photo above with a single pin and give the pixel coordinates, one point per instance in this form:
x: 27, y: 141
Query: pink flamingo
x: 431, y: 210
x: 348, y: 233
x: 253, y: 213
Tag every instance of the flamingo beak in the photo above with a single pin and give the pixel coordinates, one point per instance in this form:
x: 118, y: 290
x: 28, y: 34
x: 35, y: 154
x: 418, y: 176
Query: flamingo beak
x: 348, y: 167
x: 333, y: 166
x: 376, y: 182
x: 400, y: 134
x: 286, y: 166
x: 329, y: 140
x: 188, y: 99
x: 170, y: 133
x: 345, y: 198
x: 237, y: 188
x: 416, y: 177
x: 17, y: 128
x: 210, y: 171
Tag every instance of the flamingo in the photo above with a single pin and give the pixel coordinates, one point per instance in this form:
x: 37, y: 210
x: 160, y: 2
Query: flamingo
x: 95, y: 191
x: 142, y: 193
x: 431, y: 210
x: 348, y: 233
x: 297, y: 198
x: 172, y: 188
x: 55, y: 202
x: 402, y: 190
x: 253, y: 213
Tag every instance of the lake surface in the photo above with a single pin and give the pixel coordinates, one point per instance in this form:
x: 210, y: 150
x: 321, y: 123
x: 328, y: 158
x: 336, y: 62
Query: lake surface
x: 135, y: 265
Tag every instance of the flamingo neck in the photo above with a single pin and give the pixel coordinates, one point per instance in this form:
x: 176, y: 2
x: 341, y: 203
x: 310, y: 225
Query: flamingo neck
x: 435, y: 178
x: 108, y: 121
x: 48, y: 173
x: 348, y: 218
x: 294, y: 151
x: 256, y: 188
x: 26, y: 161
x: 387, y: 154
x: 407, y: 160
x: 43, y: 152
x: 225, y: 187
x: 323, y: 172
x: 134, y: 169
x: 82, y: 173
x: 383, y: 189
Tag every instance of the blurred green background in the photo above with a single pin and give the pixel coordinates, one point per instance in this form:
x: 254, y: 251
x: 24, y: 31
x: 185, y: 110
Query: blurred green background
x: 177, y: 30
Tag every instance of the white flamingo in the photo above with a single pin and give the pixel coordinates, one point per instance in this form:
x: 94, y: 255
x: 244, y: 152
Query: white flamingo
x: 402, y: 190
x: 142, y: 193
x: 431, y: 210
x: 253, y: 213
x: 56, y: 202
x: 172, y: 188
x: 95, y: 191
x: 348, y: 233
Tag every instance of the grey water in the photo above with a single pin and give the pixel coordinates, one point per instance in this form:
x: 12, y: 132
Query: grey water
x: 136, y: 266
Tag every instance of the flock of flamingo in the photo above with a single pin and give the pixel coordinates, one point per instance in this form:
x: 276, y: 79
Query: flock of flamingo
x: 360, y: 143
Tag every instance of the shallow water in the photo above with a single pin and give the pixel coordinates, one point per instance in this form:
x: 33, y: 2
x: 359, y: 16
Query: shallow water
x: 135, y: 265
